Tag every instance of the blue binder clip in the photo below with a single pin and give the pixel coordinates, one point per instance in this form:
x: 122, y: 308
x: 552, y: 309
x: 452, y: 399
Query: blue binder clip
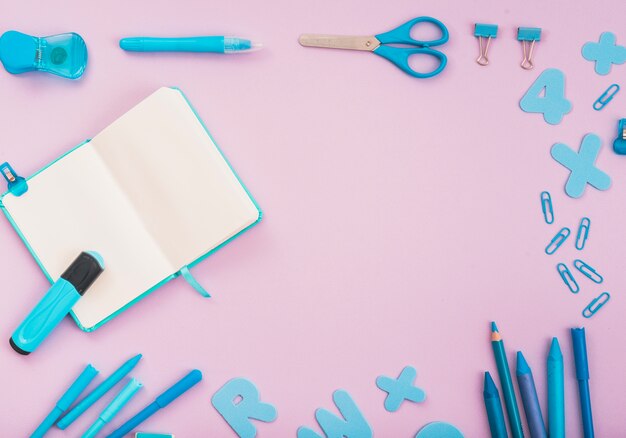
x: 63, y: 55
x: 15, y: 183
x: 528, y: 36
x: 619, y: 145
x: 482, y: 31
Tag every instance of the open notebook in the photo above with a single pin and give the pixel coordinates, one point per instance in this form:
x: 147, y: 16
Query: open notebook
x: 151, y: 193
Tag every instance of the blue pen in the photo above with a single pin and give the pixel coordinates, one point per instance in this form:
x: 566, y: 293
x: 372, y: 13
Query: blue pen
x: 214, y: 44
x: 57, y: 302
x: 66, y: 400
x: 161, y: 401
x: 582, y: 375
x: 97, y: 393
x: 113, y: 408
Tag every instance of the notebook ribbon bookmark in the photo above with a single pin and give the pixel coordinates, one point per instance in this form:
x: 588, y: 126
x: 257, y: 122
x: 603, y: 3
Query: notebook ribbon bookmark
x: 193, y: 282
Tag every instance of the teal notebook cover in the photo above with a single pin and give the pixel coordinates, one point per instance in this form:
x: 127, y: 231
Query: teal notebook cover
x: 152, y: 193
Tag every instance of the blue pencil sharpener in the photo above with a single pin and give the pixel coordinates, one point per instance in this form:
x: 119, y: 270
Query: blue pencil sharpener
x: 63, y: 55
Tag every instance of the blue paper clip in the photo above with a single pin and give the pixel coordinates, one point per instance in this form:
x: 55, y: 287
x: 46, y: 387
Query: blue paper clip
x: 588, y: 271
x: 596, y: 304
x: 526, y: 35
x: 619, y: 145
x: 606, y: 97
x: 482, y: 31
x: 568, y: 278
x: 546, y: 207
x: 583, y: 233
x: 557, y: 240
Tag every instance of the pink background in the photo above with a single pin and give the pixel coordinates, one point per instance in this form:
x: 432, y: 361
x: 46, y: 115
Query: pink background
x: 401, y: 215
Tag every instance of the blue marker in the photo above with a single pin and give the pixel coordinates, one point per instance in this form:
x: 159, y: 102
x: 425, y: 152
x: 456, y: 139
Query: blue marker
x: 57, y: 302
x: 113, y: 408
x: 161, y: 401
x: 97, y: 393
x: 66, y: 400
x: 582, y: 375
x: 213, y: 44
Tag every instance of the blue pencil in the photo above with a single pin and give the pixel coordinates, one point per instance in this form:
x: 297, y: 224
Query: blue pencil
x: 495, y: 415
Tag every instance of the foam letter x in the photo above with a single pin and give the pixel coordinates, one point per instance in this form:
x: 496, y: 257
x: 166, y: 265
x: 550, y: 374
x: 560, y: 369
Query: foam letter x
x: 604, y: 53
x: 582, y: 166
x: 400, y: 389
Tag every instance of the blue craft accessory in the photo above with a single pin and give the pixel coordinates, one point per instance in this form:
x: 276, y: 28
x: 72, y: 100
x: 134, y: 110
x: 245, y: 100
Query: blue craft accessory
x: 400, y: 389
x: 57, y: 302
x: 583, y: 233
x: 546, y: 207
x: 528, y: 36
x: 582, y: 166
x: 113, y: 408
x: 557, y: 240
x: 214, y: 44
x: 493, y: 406
x: 382, y: 45
x: 528, y: 393
x: 15, y: 183
x: 606, y: 97
x: 552, y: 104
x: 66, y: 400
x: 596, y: 304
x: 582, y: 375
x: 97, y: 393
x: 439, y: 429
x: 605, y: 53
x: 482, y: 31
x: 619, y: 145
x: 171, y: 394
x: 568, y: 278
x: 588, y: 271
x: 556, y: 399
x: 63, y: 55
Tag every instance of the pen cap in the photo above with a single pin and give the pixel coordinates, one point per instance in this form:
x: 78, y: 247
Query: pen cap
x: 63, y: 55
x: 580, y: 353
x: 84, y: 271
x: 179, y: 387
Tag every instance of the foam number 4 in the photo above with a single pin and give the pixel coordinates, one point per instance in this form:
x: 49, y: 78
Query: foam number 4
x: 353, y: 424
x: 553, y: 104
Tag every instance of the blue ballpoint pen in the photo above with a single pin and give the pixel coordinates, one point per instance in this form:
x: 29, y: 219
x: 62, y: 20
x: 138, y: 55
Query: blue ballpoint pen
x: 582, y: 375
x: 214, y: 44
x: 161, y: 401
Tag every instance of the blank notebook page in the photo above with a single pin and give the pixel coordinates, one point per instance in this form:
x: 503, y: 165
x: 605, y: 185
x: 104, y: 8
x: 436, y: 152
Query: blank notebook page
x: 151, y: 193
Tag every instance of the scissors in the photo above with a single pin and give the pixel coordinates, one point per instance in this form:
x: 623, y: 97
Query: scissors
x: 378, y: 44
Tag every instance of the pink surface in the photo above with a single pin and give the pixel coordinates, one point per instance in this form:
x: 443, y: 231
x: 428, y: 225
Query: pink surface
x: 401, y: 215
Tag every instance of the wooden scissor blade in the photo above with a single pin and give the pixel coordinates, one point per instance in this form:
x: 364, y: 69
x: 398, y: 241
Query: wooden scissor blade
x: 368, y: 43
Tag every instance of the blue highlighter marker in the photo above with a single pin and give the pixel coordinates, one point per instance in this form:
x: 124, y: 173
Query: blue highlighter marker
x: 213, y: 44
x: 57, y: 302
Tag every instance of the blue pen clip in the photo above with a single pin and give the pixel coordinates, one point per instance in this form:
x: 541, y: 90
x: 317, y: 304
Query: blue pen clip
x: 557, y: 240
x: 596, y: 304
x: 528, y: 36
x: 568, y: 278
x: 546, y: 207
x: 15, y: 183
x: 583, y: 233
x: 588, y: 271
x: 482, y: 31
x: 606, y: 97
x: 619, y: 145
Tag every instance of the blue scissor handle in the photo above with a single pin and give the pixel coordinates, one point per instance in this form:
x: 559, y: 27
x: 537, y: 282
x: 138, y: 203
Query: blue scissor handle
x: 400, y: 57
x: 402, y: 33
